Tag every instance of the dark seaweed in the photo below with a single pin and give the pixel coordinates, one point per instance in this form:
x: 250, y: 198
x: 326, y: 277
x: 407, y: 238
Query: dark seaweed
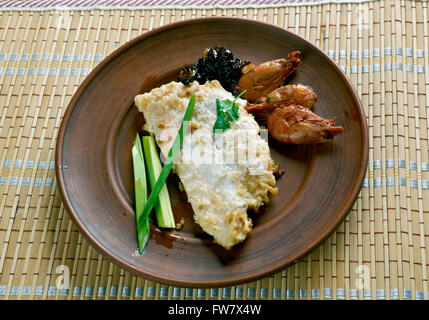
x: 216, y: 64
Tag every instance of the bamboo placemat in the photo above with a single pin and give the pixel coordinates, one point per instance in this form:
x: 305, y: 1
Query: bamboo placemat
x: 380, y: 250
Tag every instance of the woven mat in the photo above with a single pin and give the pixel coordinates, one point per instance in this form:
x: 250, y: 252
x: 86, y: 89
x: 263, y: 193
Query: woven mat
x: 380, y: 251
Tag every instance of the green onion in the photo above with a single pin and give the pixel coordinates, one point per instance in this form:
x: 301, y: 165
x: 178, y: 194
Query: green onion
x: 140, y: 190
x: 164, y: 214
x: 172, y: 154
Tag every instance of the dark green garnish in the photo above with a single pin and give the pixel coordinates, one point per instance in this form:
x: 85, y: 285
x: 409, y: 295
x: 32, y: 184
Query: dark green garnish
x: 227, y: 111
x: 216, y: 63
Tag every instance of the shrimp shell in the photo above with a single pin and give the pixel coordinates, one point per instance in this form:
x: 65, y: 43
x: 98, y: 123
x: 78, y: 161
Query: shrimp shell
x: 298, y: 125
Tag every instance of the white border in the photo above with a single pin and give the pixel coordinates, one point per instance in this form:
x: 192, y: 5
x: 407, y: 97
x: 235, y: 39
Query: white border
x: 94, y: 6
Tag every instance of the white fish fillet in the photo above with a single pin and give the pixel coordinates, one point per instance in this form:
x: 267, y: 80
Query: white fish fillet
x: 222, y: 175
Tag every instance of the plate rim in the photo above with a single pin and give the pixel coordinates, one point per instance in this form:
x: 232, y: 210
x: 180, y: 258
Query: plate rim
x: 227, y: 281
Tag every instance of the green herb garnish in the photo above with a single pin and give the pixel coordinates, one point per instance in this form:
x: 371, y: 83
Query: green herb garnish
x: 172, y: 154
x: 227, y: 111
x: 163, y: 211
x: 140, y: 190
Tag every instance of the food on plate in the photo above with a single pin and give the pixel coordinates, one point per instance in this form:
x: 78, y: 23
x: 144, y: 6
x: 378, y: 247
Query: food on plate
x: 215, y: 64
x: 297, y: 94
x: 140, y: 190
x: 263, y: 86
x: 227, y: 112
x: 236, y: 75
x: 261, y: 79
x: 156, y: 189
x: 163, y: 211
x: 223, y: 174
x: 261, y: 111
x: 225, y: 166
x: 298, y: 125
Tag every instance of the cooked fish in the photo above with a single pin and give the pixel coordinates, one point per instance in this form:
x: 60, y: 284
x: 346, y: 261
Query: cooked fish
x: 223, y: 174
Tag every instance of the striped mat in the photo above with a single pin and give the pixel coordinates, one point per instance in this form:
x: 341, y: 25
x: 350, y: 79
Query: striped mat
x: 381, y: 249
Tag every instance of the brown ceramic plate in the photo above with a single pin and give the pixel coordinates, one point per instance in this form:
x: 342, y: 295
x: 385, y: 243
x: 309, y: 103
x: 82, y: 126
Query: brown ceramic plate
x: 94, y: 165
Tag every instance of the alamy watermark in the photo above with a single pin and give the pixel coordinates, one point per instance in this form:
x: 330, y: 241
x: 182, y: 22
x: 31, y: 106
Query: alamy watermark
x: 62, y: 281
x: 62, y: 18
x: 362, y: 16
x: 363, y: 277
x: 242, y: 147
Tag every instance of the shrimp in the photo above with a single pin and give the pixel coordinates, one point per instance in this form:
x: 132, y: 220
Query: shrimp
x: 296, y: 94
x: 298, y: 125
x: 259, y: 80
x: 261, y: 111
